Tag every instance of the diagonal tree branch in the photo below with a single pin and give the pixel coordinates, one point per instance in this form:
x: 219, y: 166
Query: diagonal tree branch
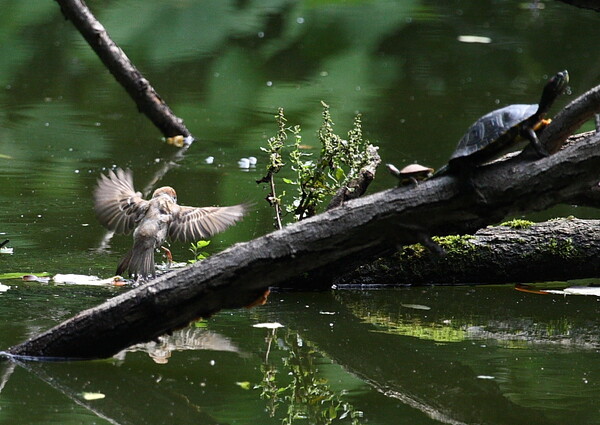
x: 139, y: 89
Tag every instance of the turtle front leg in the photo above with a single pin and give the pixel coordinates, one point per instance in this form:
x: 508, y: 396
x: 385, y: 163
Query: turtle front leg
x: 530, y: 135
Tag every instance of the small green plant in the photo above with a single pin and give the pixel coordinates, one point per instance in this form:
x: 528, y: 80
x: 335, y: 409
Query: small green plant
x: 275, y: 164
x: 316, y: 178
x: 196, y: 249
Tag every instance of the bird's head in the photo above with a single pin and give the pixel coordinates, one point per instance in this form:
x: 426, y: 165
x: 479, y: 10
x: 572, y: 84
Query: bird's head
x: 165, y: 190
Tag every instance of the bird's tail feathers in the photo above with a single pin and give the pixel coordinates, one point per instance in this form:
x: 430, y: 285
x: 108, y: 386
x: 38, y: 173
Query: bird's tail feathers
x: 139, y: 262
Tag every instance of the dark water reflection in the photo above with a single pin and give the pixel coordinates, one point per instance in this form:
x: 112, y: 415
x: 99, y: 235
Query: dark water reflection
x: 434, y: 355
x: 414, y: 356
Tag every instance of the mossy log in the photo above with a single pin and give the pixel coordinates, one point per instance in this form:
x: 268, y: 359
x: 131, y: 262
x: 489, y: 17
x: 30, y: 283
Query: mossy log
x: 516, y: 251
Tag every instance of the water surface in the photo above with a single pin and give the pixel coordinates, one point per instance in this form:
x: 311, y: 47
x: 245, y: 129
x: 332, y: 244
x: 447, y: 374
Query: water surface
x: 413, y: 355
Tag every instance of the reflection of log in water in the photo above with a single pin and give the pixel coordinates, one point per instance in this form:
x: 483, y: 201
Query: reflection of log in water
x: 131, y: 398
x: 445, y: 390
x: 500, y: 316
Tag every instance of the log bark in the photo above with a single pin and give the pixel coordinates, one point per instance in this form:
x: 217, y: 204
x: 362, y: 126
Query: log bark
x: 560, y: 249
x: 359, y: 185
x: 139, y: 89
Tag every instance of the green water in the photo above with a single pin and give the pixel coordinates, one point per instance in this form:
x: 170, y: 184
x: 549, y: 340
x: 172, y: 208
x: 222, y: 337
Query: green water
x: 476, y: 355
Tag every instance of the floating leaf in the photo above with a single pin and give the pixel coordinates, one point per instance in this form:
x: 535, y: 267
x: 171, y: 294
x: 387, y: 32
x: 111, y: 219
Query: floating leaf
x: 245, y: 385
x: 19, y: 275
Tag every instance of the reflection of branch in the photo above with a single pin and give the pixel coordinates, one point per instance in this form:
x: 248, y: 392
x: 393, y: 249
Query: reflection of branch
x: 168, y: 164
x: 117, y: 62
x: 38, y: 371
x: 7, y: 373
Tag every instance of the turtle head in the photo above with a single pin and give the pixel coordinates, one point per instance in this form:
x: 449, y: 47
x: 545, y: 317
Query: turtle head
x: 553, y: 88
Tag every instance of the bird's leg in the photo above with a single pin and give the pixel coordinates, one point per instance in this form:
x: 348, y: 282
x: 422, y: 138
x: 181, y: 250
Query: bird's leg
x: 168, y: 255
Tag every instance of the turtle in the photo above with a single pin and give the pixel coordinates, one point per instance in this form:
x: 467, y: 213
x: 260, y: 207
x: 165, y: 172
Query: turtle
x: 412, y: 173
x: 504, y: 129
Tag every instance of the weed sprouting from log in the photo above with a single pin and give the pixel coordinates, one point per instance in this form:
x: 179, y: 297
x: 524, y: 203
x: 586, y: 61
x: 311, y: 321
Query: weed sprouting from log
x: 275, y: 145
x: 316, y: 179
x: 196, y: 250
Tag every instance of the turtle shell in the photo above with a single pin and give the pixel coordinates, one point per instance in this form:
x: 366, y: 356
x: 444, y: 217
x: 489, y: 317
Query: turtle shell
x: 415, y: 169
x: 493, y: 133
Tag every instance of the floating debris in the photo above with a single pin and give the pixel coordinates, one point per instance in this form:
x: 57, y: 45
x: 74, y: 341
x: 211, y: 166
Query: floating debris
x: 93, y: 396
x: 273, y: 325
x: 34, y: 278
x: 209, y: 160
x: 244, y: 163
x: 82, y: 279
x: 575, y: 290
x: 416, y: 306
x: 474, y: 39
x: 179, y: 141
x: 4, y: 249
x: 4, y: 288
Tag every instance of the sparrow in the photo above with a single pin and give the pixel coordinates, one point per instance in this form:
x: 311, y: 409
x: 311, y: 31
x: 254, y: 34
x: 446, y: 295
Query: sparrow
x: 121, y: 209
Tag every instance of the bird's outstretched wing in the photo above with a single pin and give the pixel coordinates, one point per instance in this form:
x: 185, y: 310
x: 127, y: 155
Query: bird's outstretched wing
x: 116, y: 203
x: 192, y: 224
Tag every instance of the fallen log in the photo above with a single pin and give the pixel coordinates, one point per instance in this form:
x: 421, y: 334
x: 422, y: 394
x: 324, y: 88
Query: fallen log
x: 518, y: 251
x: 358, y: 231
x: 316, y: 250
